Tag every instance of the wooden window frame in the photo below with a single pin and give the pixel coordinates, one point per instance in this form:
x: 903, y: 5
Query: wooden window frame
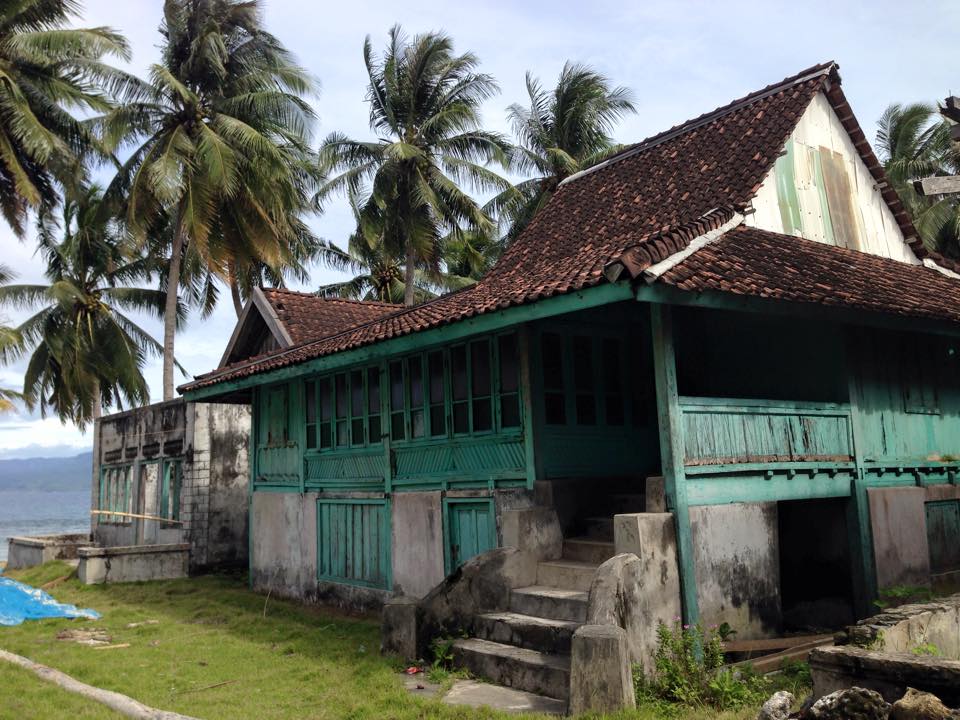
x: 169, y: 466
x: 331, y: 379
x: 113, y: 479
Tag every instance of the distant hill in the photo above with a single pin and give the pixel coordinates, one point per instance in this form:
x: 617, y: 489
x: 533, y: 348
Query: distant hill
x: 61, y: 473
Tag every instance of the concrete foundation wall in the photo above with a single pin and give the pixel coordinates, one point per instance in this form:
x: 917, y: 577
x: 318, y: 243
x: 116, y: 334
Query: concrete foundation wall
x: 133, y: 564
x: 898, y: 525
x: 736, y: 553
x: 29, y: 551
x: 651, y: 537
x: 417, y: 548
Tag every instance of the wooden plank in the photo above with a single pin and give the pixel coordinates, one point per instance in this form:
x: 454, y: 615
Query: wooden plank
x: 780, y: 643
x: 772, y: 663
x: 670, y: 423
x: 938, y: 185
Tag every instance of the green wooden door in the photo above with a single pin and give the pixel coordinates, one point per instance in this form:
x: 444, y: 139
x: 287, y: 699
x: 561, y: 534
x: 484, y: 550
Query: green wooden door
x: 943, y: 535
x: 471, y: 530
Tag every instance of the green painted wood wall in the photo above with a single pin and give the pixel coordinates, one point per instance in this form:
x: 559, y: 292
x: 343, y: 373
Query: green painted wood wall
x: 910, y: 396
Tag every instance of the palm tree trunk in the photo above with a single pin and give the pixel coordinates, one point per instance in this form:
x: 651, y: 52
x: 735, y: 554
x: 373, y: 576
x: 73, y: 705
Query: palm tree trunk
x: 235, y: 292
x: 97, y: 409
x: 170, y: 311
x: 408, y: 275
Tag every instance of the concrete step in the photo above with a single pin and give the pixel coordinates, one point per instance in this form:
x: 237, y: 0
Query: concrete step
x: 598, y: 528
x: 566, y: 574
x: 588, y: 550
x: 515, y: 667
x: 527, y: 631
x: 550, y: 602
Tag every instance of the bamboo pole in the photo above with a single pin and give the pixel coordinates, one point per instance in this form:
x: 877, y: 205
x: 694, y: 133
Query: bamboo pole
x: 135, y: 515
x: 114, y: 700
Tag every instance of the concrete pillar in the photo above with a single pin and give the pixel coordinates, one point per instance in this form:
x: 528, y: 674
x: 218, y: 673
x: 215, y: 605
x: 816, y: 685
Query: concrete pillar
x: 600, y: 677
x: 899, y: 528
x: 398, y: 627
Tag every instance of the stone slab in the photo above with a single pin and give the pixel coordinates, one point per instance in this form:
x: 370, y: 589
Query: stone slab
x: 476, y: 694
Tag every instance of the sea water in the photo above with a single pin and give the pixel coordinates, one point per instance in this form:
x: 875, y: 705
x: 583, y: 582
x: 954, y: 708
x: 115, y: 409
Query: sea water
x: 42, y: 512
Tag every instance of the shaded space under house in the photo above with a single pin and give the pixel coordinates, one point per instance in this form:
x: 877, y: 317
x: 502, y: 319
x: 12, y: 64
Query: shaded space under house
x: 724, y: 351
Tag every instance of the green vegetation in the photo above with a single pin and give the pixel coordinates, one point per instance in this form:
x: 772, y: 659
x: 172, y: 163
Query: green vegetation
x: 425, y: 109
x: 208, y: 646
x: 689, y: 675
x: 913, y: 142
x: 903, y: 595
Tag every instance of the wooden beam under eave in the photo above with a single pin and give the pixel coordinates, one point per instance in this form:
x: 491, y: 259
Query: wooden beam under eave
x: 938, y: 185
x: 951, y: 108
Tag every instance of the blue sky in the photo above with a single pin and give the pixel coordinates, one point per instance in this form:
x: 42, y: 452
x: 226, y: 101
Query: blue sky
x: 679, y: 58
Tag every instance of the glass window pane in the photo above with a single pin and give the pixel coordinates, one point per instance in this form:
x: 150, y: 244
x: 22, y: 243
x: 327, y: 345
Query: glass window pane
x: 416, y: 423
x: 341, y: 385
x: 311, y: 401
x: 343, y: 433
x: 356, y: 393
x: 611, y: 364
x: 556, y: 410
x: 510, y: 411
x: 325, y: 399
x: 458, y: 372
x: 438, y: 421
x: 374, y: 431
x: 396, y: 426
x: 373, y: 392
x: 357, y: 431
x: 460, y: 418
x: 586, y: 410
x: 415, y: 370
x: 435, y: 371
x: 325, y: 435
x: 551, y: 348
x: 509, y: 375
x: 311, y: 437
x: 614, y: 410
x: 482, y: 415
x: 396, y: 386
x: 480, y: 368
x: 583, y: 363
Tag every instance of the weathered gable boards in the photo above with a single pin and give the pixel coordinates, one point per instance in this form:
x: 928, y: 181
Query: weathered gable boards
x: 821, y: 189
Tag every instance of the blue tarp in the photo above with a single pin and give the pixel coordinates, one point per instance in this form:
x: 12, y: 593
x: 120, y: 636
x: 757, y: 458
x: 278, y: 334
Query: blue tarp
x: 19, y: 602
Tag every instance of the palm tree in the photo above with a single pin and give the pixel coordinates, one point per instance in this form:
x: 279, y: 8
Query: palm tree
x: 425, y: 111
x: 46, y: 71
x: 914, y: 142
x: 220, y: 145
x: 11, y: 345
x: 562, y: 132
x: 86, y: 352
x: 378, y: 272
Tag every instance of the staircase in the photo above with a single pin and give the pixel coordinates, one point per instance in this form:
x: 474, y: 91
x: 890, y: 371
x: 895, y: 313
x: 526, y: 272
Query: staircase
x: 526, y: 646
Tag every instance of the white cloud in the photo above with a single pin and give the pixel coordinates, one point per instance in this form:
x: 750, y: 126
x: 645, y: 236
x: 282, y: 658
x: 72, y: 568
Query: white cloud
x: 680, y: 58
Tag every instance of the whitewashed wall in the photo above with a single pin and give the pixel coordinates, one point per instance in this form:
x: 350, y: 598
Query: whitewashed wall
x: 818, y: 133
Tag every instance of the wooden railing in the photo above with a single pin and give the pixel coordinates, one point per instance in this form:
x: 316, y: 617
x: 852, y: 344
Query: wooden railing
x: 721, y: 432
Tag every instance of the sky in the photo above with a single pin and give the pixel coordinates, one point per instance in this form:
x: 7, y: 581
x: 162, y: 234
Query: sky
x: 680, y: 59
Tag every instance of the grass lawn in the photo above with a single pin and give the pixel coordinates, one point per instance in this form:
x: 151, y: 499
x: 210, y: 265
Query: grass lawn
x: 218, y: 650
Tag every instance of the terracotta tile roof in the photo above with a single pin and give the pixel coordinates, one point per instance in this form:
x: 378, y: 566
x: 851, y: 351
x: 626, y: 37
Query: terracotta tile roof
x: 758, y: 263
x: 307, y: 317
x: 648, y: 201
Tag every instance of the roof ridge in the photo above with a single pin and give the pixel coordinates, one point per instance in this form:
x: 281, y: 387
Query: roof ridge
x: 822, y: 70
x: 316, y: 295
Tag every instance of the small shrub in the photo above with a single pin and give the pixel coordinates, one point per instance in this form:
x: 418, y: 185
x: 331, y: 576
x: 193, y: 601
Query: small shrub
x: 441, y: 648
x: 928, y: 649
x: 688, y: 670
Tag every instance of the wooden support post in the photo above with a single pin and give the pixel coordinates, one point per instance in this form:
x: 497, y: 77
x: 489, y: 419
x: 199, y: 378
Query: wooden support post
x: 670, y: 424
x: 531, y: 426
x: 859, y: 529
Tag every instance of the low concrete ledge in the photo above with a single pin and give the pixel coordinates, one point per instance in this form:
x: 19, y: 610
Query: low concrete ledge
x: 600, y: 677
x: 27, y: 551
x: 133, y: 563
x: 890, y: 674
